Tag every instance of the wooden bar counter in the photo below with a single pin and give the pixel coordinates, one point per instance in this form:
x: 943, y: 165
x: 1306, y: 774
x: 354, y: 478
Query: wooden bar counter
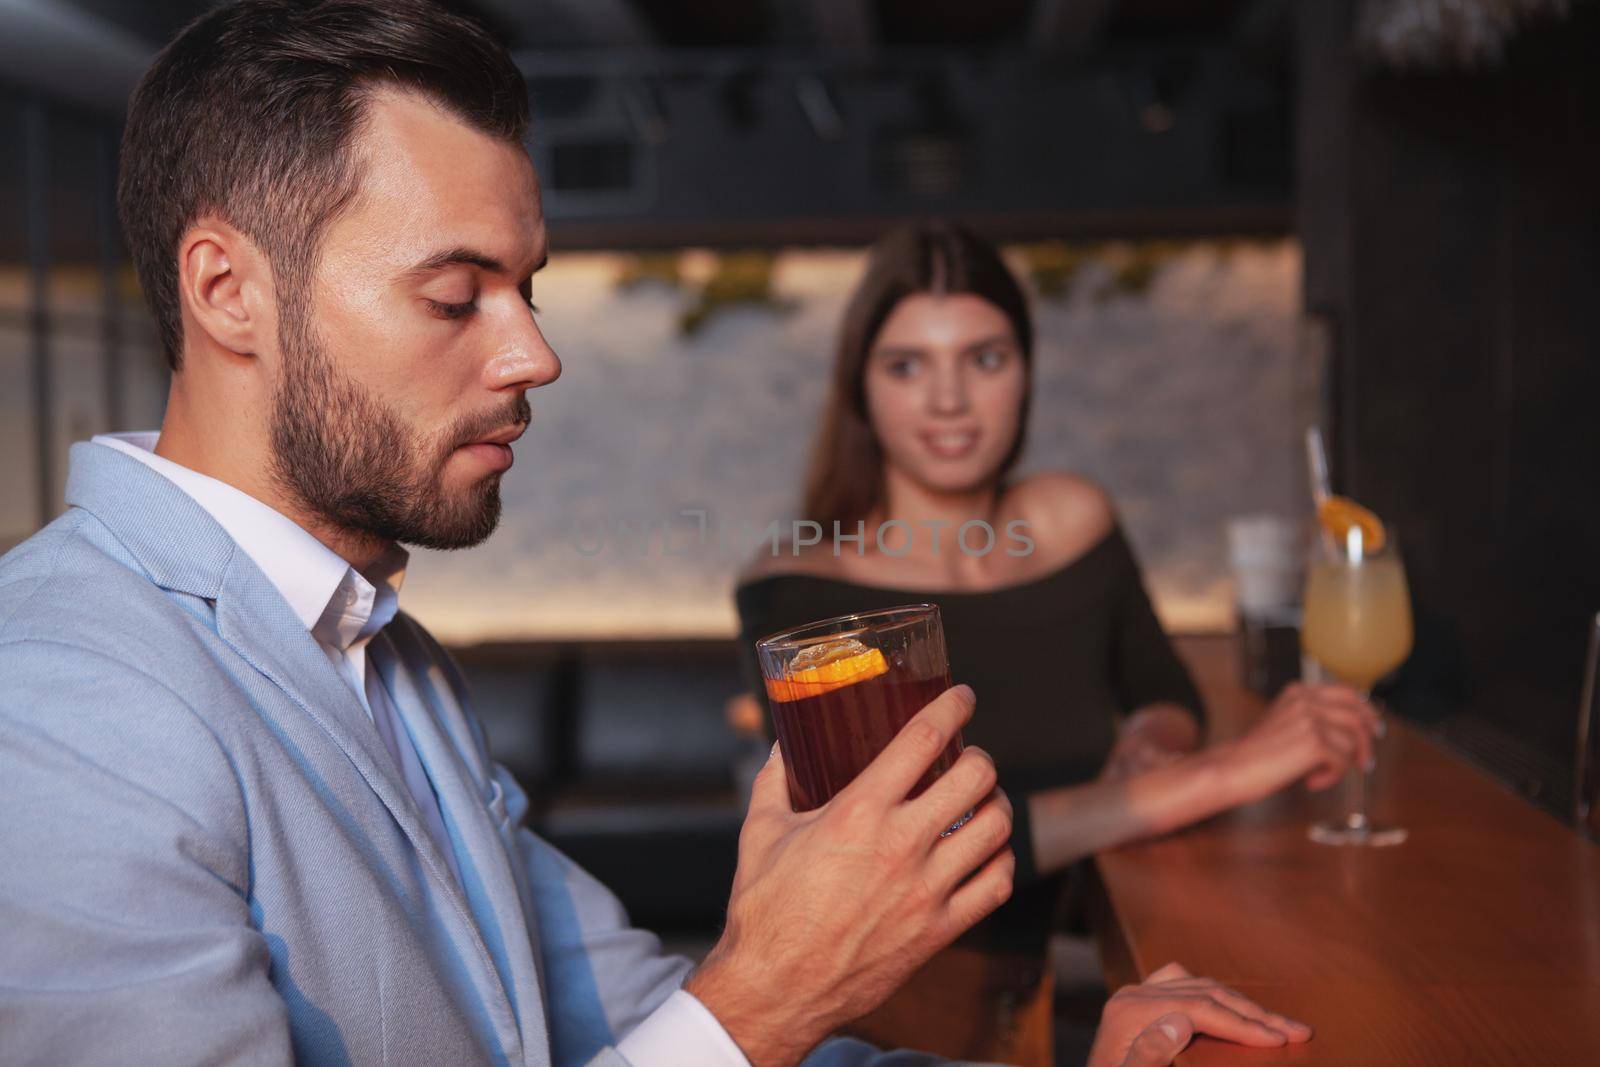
x: 1477, y: 941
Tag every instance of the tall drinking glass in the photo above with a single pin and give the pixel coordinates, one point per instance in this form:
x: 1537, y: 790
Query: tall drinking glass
x: 841, y: 689
x: 1358, y: 629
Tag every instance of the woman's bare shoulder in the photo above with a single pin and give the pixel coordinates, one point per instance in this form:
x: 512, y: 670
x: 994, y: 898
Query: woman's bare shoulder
x: 1067, y: 514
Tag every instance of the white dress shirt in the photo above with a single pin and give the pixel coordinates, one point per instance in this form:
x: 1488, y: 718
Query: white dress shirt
x: 344, y: 609
x: 340, y: 606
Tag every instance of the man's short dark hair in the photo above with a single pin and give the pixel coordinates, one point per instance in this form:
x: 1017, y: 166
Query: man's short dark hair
x: 250, y: 113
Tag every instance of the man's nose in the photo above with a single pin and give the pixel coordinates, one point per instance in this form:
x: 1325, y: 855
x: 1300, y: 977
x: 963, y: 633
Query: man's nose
x: 524, y: 360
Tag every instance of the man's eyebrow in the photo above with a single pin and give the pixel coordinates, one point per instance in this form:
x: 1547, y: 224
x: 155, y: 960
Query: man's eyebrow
x: 467, y: 257
x: 454, y: 257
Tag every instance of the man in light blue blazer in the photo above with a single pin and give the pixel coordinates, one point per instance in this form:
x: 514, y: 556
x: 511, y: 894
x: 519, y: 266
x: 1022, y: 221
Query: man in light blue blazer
x: 248, y: 816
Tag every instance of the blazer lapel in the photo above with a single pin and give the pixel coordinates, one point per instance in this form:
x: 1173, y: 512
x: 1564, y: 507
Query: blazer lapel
x: 255, y: 620
x: 262, y: 629
x: 494, y: 891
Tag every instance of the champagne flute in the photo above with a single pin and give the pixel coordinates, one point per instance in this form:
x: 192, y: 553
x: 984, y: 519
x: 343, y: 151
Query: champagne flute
x: 1358, y: 628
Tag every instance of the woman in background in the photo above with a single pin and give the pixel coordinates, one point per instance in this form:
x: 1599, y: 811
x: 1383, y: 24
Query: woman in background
x: 1093, y: 722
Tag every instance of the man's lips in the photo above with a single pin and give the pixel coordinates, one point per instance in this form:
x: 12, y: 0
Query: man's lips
x: 494, y: 451
x: 496, y: 457
x: 505, y: 436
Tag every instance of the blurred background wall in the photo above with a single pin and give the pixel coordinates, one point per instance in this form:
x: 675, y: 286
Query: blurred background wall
x: 672, y: 440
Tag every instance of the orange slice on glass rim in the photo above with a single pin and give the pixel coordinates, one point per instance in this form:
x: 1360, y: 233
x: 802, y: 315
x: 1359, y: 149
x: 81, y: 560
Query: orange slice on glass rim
x: 1339, y: 515
x: 832, y: 669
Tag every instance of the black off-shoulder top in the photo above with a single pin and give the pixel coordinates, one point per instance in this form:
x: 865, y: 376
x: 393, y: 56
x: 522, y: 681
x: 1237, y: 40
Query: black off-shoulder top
x: 1055, y: 662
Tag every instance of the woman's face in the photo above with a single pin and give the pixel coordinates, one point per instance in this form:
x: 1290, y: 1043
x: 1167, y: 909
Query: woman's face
x: 944, y: 385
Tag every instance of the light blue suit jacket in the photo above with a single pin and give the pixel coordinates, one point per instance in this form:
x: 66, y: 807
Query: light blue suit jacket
x: 207, y: 856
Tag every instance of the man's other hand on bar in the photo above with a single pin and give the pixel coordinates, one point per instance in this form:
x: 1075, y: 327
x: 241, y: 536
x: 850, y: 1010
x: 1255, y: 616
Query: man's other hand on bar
x: 1148, y: 1024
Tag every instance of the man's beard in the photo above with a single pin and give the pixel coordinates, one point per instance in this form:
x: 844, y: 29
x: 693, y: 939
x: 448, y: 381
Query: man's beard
x: 353, y: 462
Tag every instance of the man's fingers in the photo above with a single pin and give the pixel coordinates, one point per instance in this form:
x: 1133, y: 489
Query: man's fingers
x: 982, y: 893
x: 957, y: 791
x: 770, y: 793
x: 956, y: 856
x: 1293, y: 1029
x: 1210, y: 1016
x: 1159, y: 1043
x: 1170, y: 972
x: 903, y: 762
x: 770, y: 811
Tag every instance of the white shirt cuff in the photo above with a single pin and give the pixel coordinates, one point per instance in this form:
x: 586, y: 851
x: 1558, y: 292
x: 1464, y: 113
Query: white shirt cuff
x: 681, y: 1033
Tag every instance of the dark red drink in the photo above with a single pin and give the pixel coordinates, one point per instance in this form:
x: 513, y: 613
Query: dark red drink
x: 840, y: 689
x: 828, y: 738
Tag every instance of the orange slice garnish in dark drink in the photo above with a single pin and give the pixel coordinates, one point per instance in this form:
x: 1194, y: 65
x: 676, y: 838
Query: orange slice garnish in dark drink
x: 1339, y: 515
x: 824, y: 667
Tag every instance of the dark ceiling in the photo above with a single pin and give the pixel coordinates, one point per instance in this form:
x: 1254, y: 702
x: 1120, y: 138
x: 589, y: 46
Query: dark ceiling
x: 772, y: 121
x: 994, y: 25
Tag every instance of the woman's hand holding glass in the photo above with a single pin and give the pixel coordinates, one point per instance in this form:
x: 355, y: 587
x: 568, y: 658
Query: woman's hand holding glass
x: 1310, y: 733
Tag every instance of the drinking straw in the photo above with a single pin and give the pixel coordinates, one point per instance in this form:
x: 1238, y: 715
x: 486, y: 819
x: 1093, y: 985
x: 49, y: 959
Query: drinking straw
x: 1317, y: 457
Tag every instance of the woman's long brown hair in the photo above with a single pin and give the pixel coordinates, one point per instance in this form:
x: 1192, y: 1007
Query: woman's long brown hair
x: 846, y: 481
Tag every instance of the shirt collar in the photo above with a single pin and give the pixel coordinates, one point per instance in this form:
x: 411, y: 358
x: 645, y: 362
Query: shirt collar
x: 338, y: 604
x: 362, y: 603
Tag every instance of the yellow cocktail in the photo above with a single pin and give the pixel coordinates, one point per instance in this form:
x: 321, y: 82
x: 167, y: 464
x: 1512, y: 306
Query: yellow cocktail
x: 1358, y: 628
x: 1357, y: 618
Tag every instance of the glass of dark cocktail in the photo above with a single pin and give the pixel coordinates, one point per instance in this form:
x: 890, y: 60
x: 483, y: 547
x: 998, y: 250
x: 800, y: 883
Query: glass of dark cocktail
x: 841, y: 689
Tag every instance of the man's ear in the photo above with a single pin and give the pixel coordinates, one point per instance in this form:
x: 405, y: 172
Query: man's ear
x: 225, y: 287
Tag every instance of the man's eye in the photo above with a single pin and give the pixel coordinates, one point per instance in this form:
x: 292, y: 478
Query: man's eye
x: 902, y: 367
x: 452, y: 311
x: 991, y: 358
